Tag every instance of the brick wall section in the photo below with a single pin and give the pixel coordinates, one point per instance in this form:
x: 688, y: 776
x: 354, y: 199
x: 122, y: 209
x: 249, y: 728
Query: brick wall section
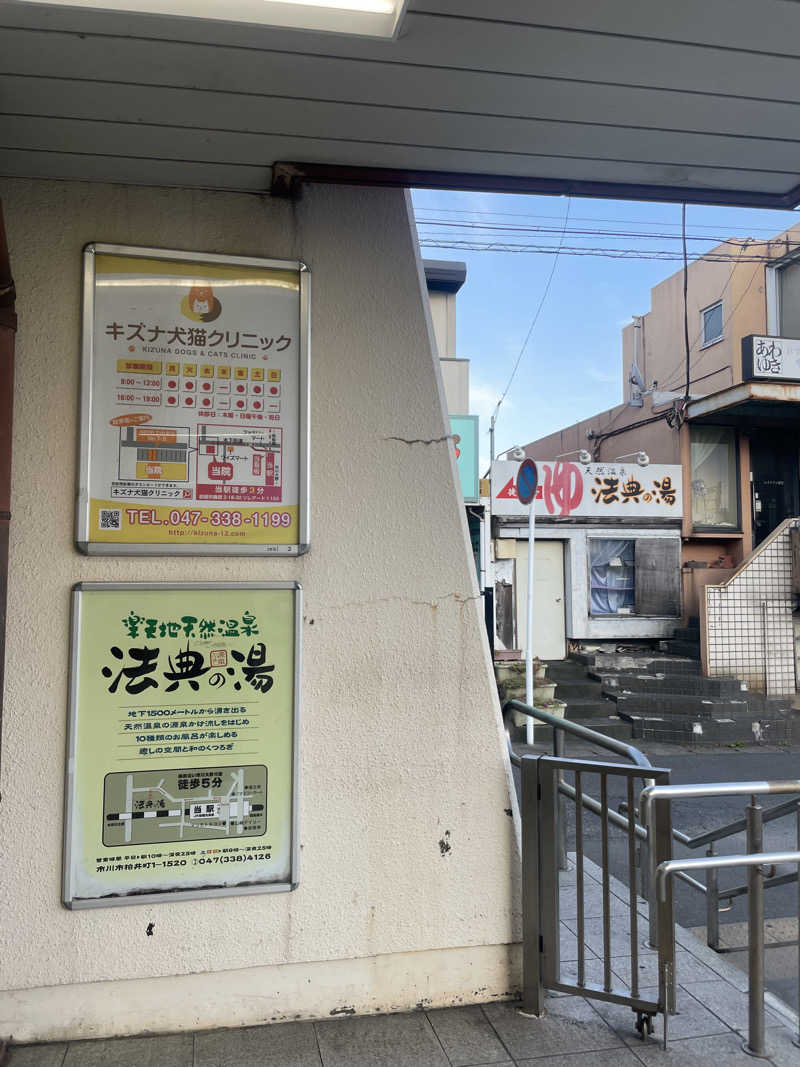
x: 748, y: 629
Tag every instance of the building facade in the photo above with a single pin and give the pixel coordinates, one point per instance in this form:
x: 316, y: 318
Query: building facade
x: 730, y: 427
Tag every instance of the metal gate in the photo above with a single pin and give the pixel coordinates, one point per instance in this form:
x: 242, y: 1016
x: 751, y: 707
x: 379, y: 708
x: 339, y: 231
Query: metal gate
x: 546, y: 786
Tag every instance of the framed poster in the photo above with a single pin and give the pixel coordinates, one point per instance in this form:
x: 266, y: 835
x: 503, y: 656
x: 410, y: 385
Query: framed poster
x: 194, y: 404
x: 182, y: 753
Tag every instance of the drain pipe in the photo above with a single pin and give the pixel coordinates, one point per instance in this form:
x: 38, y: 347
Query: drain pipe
x: 8, y: 328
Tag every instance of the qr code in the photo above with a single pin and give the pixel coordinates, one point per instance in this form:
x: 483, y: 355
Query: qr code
x: 110, y: 519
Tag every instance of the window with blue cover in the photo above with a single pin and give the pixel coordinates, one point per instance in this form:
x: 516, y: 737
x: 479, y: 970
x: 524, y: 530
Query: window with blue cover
x: 612, y: 584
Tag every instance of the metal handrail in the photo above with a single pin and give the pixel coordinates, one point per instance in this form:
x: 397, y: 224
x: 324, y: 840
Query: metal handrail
x: 574, y: 728
x: 755, y: 858
x: 662, y: 934
x: 738, y: 826
x: 639, y: 758
x: 744, y: 859
x: 757, y: 861
x: 712, y: 789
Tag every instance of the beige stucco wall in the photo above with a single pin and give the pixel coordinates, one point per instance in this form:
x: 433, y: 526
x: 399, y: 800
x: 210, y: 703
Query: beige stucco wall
x: 401, y: 746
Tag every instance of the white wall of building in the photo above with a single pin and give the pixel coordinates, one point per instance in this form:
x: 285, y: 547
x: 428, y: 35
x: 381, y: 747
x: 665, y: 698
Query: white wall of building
x: 455, y: 378
x: 580, y: 624
x: 443, y: 316
x: 409, y: 867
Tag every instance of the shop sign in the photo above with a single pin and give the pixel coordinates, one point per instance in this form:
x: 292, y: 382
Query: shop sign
x: 182, y: 753
x: 597, y: 490
x: 464, y: 430
x: 194, y: 426
x: 770, y: 358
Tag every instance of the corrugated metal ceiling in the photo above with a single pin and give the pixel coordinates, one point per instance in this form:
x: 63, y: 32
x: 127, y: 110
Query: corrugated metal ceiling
x: 677, y: 100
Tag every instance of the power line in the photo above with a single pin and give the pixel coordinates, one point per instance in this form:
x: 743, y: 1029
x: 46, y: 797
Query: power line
x: 534, y: 320
x: 596, y: 219
x: 662, y: 255
x: 493, y: 227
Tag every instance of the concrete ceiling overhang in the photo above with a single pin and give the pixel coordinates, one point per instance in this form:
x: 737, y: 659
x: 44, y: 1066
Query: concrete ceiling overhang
x: 646, y: 100
x: 749, y: 404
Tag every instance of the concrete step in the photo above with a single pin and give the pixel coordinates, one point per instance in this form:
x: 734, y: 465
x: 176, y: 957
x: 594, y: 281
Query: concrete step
x: 694, y: 685
x: 565, y: 669
x: 586, y: 658
x: 686, y: 730
x: 590, y: 709
x: 691, y: 649
x: 687, y: 633
x: 612, y: 726
x: 675, y: 665
x: 668, y: 705
x: 569, y: 690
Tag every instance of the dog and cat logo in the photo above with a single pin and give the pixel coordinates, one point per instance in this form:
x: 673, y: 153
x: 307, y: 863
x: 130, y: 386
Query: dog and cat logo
x: 200, y: 304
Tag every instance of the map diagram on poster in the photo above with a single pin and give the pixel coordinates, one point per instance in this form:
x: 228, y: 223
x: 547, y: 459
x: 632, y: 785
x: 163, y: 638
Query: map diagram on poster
x: 148, y: 808
x: 195, y: 390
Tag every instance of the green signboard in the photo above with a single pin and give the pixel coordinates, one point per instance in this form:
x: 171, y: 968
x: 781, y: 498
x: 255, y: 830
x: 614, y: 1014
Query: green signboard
x: 464, y: 429
x: 182, y: 753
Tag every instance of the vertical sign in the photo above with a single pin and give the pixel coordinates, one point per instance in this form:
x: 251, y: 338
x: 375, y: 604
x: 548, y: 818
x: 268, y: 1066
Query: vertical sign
x: 195, y: 397
x: 182, y: 756
x: 464, y: 429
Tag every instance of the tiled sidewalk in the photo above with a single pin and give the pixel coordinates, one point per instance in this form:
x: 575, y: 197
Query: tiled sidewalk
x: 708, y: 1029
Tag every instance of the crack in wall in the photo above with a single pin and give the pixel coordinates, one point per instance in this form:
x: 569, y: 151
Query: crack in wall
x: 420, y: 440
x: 459, y: 598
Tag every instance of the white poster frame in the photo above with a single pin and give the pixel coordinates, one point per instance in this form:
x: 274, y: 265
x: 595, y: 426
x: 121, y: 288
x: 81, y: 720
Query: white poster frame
x: 88, y: 355
x: 69, y: 897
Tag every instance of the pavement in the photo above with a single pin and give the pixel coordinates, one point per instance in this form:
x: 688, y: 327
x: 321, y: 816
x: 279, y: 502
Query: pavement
x: 575, y: 1032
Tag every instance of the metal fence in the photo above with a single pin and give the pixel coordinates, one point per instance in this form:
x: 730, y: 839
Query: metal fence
x: 545, y: 790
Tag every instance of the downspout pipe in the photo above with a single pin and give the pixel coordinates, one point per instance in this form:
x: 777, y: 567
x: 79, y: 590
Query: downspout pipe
x: 8, y: 329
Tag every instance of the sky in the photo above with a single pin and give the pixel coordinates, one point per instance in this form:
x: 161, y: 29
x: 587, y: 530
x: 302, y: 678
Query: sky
x: 571, y: 366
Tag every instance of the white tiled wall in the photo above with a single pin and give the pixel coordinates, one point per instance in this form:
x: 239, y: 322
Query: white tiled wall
x: 750, y: 632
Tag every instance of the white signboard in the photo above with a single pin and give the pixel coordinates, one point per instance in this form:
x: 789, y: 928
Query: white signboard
x: 194, y: 434
x: 599, y: 490
x: 770, y: 358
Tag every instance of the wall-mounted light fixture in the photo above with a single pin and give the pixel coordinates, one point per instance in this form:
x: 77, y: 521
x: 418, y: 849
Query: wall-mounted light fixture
x: 364, y: 18
x: 584, y: 457
x: 641, y: 458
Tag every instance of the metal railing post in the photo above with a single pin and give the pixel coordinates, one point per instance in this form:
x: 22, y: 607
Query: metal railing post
x: 665, y: 912
x: 558, y: 751
x: 644, y: 869
x: 712, y: 903
x: 532, y: 989
x: 797, y: 1039
x: 652, y: 864
x: 755, y: 932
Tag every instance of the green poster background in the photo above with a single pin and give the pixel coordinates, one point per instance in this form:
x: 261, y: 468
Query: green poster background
x: 182, y: 733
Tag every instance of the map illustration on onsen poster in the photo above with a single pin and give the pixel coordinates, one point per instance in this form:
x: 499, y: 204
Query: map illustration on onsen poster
x: 195, y: 402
